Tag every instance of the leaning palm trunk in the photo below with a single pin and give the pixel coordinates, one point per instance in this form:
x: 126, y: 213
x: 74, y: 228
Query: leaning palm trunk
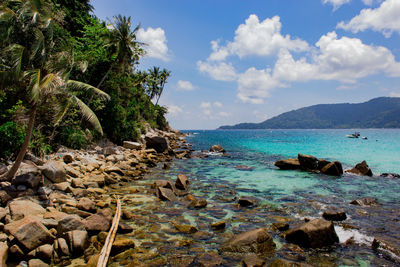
x: 11, y: 173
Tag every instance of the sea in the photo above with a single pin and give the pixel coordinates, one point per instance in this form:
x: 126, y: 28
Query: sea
x: 293, y: 196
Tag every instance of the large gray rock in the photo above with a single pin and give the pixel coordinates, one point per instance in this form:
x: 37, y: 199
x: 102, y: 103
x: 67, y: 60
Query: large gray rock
x: 159, y: 143
x: 132, y: 145
x: 86, y: 204
x: 22, y: 208
x: 316, y: 233
x: 255, y: 241
x: 30, y: 180
x: 70, y: 223
x: 30, y: 232
x: 96, y: 223
x: 54, y: 171
x: 361, y: 169
x: 288, y: 164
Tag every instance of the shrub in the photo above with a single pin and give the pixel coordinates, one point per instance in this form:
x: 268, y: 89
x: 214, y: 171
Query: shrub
x: 12, y: 136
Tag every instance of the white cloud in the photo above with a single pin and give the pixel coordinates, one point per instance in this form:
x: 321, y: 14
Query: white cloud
x: 384, y: 19
x: 185, y: 86
x: 336, y: 3
x: 254, y: 85
x: 156, y: 42
x: 224, y: 114
x: 220, y: 71
x: 257, y: 38
x: 218, y: 104
x: 205, y: 105
x: 174, y: 110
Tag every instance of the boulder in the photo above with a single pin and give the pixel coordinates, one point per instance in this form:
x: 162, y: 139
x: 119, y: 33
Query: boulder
x: 132, y: 145
x: 30, y: 180
x: 280, y: 226
x: 365, y: 201
x: 316, y: 233
x: 3, y: 254
x: 37, y: 263
x: 68, y: 158
x: 198, y: 203
x: 62, y: 247
x: 54, y: 171
x: 252, y: 260
x: 218, y: 225
x: 30, y: 232
x: 288, y: 164
x: 334, y: 214
x: 246, y: 201
x: 255, y: 241
x: 182, y: 182
x: 96, y: 223
x: 307, y: 162
x: 333, y: 168
x: 77, y: 241
x: 361, y: 169
x: 322, y: 163
x: 217, y: 149
x: 159, y: 143
x: 70, y: 223
x: 86, y: 204
x: 166, y: 194
x: 22, y: 208
x: 44, y: 252
x: 121, y: 244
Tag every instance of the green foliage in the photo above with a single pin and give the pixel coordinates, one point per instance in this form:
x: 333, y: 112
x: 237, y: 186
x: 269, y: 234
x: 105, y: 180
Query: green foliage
x: 39, y: 144
x: 75, y: 138
x: 11, y: 138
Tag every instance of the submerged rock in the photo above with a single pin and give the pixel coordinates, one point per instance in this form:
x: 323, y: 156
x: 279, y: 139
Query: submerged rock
x: 246, y: 201
x: 217, y: 148
x: 390, y: 175
x: 316, y: 233
x: 334, y: 168
x: 185, y: 228
x: 365, y: 201
x: 166, y: 194
x: 244, y: 168
x: 218, y: 225
x: 288, y: 164
x: 307, y: 162
x: 252, y: 260
x: 286, y: 263
x: 210, y: 259
x: 198, y: 203
x: 334, y: 214
x: 182, y: 182
x: 255, y: 241
x: 361, y: 169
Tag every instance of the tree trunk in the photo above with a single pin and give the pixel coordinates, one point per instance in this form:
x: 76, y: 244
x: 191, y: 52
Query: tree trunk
x: 11, y: 173
x: 159, y: 95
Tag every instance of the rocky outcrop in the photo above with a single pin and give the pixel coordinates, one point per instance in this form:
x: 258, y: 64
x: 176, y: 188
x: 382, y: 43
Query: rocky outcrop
x: 307, y: 162
x: 334, y: 214
x: 217, y: 149
x: 365, y: 201
x: 316, y: 233
x: 159, y: 143
x: 255, y: 241
x: 288, y: 164
x: 334, y: 168
x: 361, y: 169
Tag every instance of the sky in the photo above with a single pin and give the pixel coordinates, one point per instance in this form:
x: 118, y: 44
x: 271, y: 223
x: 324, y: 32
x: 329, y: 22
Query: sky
x: 234, y: 61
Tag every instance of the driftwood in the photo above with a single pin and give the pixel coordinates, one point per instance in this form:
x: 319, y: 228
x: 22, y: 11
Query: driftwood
x: 105, y: 252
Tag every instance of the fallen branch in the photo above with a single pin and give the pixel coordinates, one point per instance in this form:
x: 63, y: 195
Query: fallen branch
x: 105, y: 251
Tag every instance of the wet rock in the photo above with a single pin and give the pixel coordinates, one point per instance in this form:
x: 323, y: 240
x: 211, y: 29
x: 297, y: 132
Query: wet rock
x: 198, y: 203
x: 68, y: 158
x: 390, y: 175
x: 217, y: 149
x: 54, y: 171
x: 182, y: 182
x: 202, y: 235
x: 159, y: 143
x: 96, y: 223
x: 280, y: 226
x: 70, y: 223
x: 288, y: 164
x: 179, y: 260
x: 286, y: 263
x: 30, y: 232
x: 30, y: 180
x: 132, y: 145
x: 22, y: 208
x: 322, y: 163
x: 315, y: 234
x: 3, y: 254
x: 218, y: 225
x: 121, y: 244
x: 37, y: 263
x: 252, y: 260
x: 361, y: 169
x: 244, y: 168
x: 334, y: 214
x: 334, y: 168
x: 292, y: 252
x: 210, y: 259
x: 124, y: 228
x: 365, y: 201
x: 246, y: 201
x: 186, y: 229
x: 255, y: 241
x: 77, y: 241
x: 307, y: 162
x: 86, y: 204
x: 166, y: 194
x: 387, y: 248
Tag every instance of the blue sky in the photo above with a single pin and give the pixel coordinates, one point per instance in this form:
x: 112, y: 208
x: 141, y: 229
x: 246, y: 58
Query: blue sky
x: 238, y: 61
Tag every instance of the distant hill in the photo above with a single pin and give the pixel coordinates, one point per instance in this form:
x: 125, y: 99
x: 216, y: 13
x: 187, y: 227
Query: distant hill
x: 382, y: 112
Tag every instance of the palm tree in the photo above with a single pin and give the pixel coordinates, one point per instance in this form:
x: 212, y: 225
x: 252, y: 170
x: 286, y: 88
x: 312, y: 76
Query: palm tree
x: 153, y: 82
x: 31, y: 63
x: 163, y: 80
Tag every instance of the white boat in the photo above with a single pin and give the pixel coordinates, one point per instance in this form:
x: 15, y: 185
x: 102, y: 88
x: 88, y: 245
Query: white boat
x: 354, y: 135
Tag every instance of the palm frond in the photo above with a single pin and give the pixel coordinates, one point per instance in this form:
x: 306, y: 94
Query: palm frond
x: 76, y: 85
x: 88, y: 114
x: 38, y: 43
x: 34, y: 84
x: 17, y: 52
x: 62, y: 110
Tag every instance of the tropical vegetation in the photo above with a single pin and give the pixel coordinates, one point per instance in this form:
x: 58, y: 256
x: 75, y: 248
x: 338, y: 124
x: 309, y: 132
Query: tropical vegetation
x: 67, y: 79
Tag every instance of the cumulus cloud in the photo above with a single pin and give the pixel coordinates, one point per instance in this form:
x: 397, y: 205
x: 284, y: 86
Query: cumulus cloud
x: 174, y: 110
x: 384, y: 19
x: 255, y: 85
x: 336, y: 3
x: 257, y: 38
x: 185, y: 86
x: 218, y: 104
x: 205, y: 105
x: 209, y: 109
x: 219, y: 71
x: 156, y: 42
